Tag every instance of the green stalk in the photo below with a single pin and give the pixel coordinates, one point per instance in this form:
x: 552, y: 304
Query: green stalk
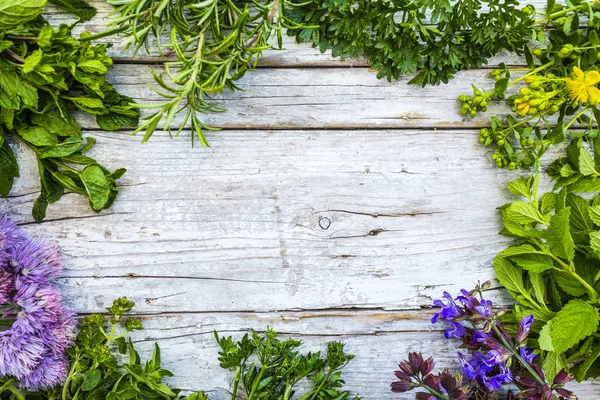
x: 570, y: 268
x: 263, y: 369
x: 236, y: 382
x: 69, y: 378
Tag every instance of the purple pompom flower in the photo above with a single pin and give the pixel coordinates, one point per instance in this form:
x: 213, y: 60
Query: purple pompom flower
x: 35, y: 330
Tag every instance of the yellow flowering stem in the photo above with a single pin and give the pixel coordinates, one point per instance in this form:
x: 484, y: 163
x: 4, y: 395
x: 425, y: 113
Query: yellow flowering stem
x: 533, y: 72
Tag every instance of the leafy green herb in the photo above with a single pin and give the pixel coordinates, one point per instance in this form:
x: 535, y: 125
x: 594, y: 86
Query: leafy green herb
x: 279, y: 368
x: 559, y: 84
x: 81, y: 8
x: 216, y: 42
x: 553, y: 271
x: 97, y: 371
x: 46, y: 74
x: 397, y: 38
x: 106, y: 366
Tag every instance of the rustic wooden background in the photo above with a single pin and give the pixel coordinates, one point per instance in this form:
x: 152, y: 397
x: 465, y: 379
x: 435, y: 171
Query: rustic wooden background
x: 331, y: 206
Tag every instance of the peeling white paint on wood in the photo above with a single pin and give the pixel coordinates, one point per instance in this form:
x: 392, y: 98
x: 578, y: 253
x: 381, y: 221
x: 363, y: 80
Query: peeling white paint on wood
x: 334, y: 206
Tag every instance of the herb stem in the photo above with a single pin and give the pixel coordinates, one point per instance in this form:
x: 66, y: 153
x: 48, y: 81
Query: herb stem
x: 518, y: 356
x: 579, y: 114
x: 263, y: 369
x: 532, y: 72
x: 570, y: 268
x: 236, y: 382
x: 69, y: 378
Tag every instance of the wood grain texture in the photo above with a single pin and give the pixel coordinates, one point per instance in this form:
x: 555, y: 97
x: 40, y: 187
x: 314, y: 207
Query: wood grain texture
x: 324, y: 98
x: 283, y: 219
x: 333, y: 206
x: 378, y: 339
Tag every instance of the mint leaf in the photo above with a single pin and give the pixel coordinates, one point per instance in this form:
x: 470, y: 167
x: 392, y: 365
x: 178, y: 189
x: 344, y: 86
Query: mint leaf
x: 528, y: 258
x: 559, y: 236
x: 520, y: 187
x: 523, y: 213
x: 553, y: 364
x: 594, y: 214
x: 586, y: 163
x: 574, y: 322
x: 580, y: 213
x: 510, y: 276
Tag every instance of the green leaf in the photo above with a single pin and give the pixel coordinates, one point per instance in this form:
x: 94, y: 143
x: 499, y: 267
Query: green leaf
x: 97, y: 186
x: 594, y: 214
x: 595, y: 241
x: 586, y: 163
x: 38, y: 136
x: 539, y: 286
x: 92, y: 67
x: 585, y: 185
x: 69, y: 146
x: 55, y: 123
x: 510, y: 276
x: 9, y: 169
x: 17, y: 12
x: 576, y: 321
x: 520, y: 187
x: 553, y: 364
x: 528, y: 258
x: 580, y: 213
x: 81, y: 8
x: 91, y: 379
x: 87, y: 104
x: 559, y: 235
x: 587, y: 363
x: 39, y: 207
x: 523, y: 213
x: 548, y: 203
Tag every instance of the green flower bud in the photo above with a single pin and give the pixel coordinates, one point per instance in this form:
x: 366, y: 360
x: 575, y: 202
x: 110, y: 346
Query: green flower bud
x: 473, y: 113
x: 463, y: 98
x: 537, y: 52
x: 477, y: 92
x: 512, y: 166
x: 501, y: 142
x: 481, y: 139
x: 483, y: 131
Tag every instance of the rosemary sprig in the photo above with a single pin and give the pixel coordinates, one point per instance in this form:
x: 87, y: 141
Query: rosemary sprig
x: 215, y: 41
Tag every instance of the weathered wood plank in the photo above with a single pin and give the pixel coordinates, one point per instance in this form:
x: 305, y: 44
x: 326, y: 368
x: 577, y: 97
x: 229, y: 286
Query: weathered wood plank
x: 378, y: 339
x: 324, y: 98
x: 292, y: 54
x: 284, y: 220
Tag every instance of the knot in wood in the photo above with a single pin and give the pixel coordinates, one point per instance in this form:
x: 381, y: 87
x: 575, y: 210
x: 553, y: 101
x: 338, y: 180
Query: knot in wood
x: 324, y: 222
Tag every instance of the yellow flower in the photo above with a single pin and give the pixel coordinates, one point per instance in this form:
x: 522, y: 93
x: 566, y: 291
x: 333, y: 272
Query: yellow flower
x: 582, y: 88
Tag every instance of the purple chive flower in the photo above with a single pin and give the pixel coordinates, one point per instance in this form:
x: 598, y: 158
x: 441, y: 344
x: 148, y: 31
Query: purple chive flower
x: 33, y: 347
x: 47, y: 373
x: 6, y: 285
x: 35, y: 260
